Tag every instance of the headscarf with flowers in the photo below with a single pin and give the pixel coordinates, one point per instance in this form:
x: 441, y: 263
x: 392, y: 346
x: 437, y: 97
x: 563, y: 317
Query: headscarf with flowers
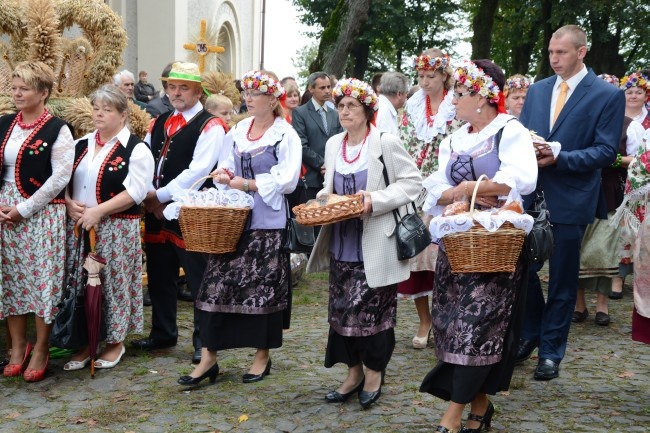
x: 611, y: 79
x: 477, y: 81
x: 256, y: 80
x: 518, y: 83
x: 425, y: 62
x: 358, y: 90
x: 635, y: 79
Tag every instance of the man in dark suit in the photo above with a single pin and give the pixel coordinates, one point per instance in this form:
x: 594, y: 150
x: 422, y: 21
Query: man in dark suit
x: 585, y: 115
x: 315, y: 123
x: 160, y: 105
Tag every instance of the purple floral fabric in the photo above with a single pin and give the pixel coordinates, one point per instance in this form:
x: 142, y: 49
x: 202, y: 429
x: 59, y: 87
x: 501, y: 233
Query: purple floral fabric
x: 356, y: 310
x: 252, y: 280
x: 471, y: 313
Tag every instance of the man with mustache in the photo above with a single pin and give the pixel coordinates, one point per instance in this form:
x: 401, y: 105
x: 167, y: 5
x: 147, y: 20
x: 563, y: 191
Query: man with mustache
x: 185, y: 143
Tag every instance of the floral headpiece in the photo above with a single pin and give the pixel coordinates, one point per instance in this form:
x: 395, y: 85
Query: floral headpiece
x: 635, y: 79
x: 477, y: 81
x: 358, y: 90
x: 518, y: 83
x: 611, y: 79
x: 427, y: 63
x: 255, y: 80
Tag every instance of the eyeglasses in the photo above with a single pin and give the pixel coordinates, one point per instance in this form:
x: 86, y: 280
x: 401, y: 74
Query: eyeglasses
x: 350, y: 107
x: 247, y: 95
x: 459, y: 95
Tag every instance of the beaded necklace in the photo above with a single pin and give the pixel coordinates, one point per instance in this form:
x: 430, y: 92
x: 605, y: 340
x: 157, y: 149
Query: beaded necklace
x: 345, y: 148
x: 19, y: 120
x: 248, y: 133
x: 98, y: 141
x: 429, y: 112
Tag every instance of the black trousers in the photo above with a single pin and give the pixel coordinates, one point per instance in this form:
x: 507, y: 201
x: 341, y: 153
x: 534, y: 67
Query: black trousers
x: 163, y: 261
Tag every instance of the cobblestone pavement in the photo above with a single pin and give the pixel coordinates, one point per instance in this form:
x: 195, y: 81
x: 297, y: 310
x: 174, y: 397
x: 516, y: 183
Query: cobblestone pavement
x: 604, y: 386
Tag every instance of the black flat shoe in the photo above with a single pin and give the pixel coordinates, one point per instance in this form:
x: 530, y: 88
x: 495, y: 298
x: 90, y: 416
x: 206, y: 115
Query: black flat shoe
x: 184, y: 294
x: 441, y: 429
x: 485, y: 420
x: 151, y: 344
x: 580, y: 316
x: 546, y: 370
x: 196, y: 358
x: 367, y: 398
x: 602, y: 319
x: 250, y: 378
x: 146, y: 299
x: 526, y: 348
x: 337, y: 397
x: 616, y: 295
x: 212, y: 373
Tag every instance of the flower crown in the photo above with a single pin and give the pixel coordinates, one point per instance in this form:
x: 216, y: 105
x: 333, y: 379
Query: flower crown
x: 611, y: 79
x: 477, y: 81
x: 255, y: 80
x: 518, y: 83
x: 425, y: 62
x: 358, y: 90
x: 635, y: 79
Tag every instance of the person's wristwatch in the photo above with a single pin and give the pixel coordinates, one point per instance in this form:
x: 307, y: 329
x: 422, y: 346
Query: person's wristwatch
x: 245, y: 185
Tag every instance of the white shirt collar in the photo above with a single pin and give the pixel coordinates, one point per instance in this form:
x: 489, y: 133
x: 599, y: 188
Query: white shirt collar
x: 188, y: 114
x: 317, y: 106
x: 573, y: 81
x: 386, y: 102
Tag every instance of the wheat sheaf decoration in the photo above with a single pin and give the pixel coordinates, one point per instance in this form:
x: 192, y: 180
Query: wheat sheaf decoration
x: 35, y: 31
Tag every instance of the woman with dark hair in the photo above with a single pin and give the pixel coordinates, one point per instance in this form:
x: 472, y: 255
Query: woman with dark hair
x: 359, y: 253
x: 36, y: 158
x: 476, y: 315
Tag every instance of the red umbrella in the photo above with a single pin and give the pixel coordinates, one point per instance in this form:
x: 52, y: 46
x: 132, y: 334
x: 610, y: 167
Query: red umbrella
x: 93, y: 299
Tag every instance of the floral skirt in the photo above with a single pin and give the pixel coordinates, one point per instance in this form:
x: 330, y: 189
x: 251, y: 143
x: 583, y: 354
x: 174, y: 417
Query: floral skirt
x: 118, y: 241
x: 32, y: 256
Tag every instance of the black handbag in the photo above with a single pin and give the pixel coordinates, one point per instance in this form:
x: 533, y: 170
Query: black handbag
x: 538, y: 246
x: 297, y: 237
x: 70, y: 330
x: 411, y: 234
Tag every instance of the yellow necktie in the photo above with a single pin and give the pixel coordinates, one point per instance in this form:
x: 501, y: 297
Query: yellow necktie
x: 561, y: 99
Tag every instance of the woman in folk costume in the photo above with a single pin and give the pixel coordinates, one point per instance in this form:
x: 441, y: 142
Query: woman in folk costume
x: 361, y: 253
x: 112, y: 173
x: 427, y: 119
x: 244, y: 294
x: 37, y: 153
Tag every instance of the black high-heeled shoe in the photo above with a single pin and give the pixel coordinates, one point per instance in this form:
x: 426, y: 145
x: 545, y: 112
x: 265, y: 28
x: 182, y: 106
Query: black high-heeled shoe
x: 485, y: 420
x: 250, y: 378
x: 337, y: 397
x: 212, y: 373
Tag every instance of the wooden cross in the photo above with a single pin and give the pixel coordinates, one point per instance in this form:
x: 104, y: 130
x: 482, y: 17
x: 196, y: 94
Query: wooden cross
x: 203, y: 47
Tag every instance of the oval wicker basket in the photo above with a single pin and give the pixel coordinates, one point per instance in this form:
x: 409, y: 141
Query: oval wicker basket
x: 480, y: 251
x: 214, y: 230
x: 330, y: 213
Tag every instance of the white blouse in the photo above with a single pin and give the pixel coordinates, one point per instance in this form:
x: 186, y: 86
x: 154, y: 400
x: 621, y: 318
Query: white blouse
x: 62, y: 159
x: 138, y: 179
x: 416, y: 106
x: 283, y: 177
x: 635, y: 133
x: 518, y: 167
x: 359, y: 165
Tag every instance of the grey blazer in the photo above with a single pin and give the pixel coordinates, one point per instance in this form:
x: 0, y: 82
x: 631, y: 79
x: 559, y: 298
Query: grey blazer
x: 309, y: 126
x: 378, y: 241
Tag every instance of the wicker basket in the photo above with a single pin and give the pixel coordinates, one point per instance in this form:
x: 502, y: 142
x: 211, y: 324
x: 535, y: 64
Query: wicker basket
x: 329, y: 214
x: 478, y: 250
x: 214, y: 230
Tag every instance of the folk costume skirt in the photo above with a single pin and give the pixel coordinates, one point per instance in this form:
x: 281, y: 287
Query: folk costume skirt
x: 32, y: 260
x: 362, y: 319
x: 118, y: 241
x: 245, y: 294
x: 476, y: 322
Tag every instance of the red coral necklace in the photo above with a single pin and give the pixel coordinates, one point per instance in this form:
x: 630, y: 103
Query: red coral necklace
x: 345, y: 148
x: 98, y: 141
x: 23, y: 125
x: 429, y: 112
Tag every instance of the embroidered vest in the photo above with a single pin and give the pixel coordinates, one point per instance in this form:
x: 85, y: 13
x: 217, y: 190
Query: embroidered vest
x: 173, y: 155
x: 112, y: 173
x: 33, y: 165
